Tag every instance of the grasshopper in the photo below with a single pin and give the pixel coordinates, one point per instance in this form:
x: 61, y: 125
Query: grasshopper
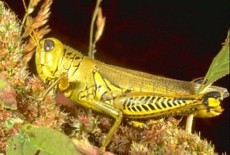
x: 120, y: 92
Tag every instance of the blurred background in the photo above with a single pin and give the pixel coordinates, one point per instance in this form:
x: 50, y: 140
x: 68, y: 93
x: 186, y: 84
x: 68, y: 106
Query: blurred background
x: 176, y: 39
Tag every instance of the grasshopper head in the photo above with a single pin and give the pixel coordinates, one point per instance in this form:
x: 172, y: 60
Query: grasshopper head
x: 48, y: 54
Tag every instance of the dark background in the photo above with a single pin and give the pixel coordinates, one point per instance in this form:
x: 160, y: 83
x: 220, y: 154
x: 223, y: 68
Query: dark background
x: 176, y: 39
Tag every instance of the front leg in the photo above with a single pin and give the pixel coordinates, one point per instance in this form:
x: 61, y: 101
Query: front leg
x: 110, y: 111
x: 106, y: 109
x: 61, y: 82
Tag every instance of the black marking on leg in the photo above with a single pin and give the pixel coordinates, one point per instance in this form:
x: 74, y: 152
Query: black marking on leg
x: 157, y: 104
x: 134, y: 109
x: 125, y: 103
x: 169, y: 102
x: 151, y: 107
x: 133, y: 101
x: 146, y: 99
x: 139, y: 108
x: 163, y: 103
x: 129, y: 102
x: 140, y: 99
x: 151, y: 100
x: 145, y: 107
x: 174, y: 102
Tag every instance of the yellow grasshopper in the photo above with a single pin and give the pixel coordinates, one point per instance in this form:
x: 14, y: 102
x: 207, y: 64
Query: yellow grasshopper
x: 119, y: 92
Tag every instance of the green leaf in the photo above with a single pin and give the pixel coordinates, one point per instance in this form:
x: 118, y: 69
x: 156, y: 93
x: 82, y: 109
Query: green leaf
x: 10, y: 122
x: 42, y: 141
x: 219, y: 66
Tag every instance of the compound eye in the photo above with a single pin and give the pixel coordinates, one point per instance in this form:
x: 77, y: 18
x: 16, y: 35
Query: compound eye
x: 48, y: 45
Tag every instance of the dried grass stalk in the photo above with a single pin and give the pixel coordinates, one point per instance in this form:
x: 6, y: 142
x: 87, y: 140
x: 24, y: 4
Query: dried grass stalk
x: 100, y: 24
x: 37, y: 24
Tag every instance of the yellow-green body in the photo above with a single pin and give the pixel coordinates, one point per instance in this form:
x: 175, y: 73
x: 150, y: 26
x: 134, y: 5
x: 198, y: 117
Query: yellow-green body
x: 120, y: 92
